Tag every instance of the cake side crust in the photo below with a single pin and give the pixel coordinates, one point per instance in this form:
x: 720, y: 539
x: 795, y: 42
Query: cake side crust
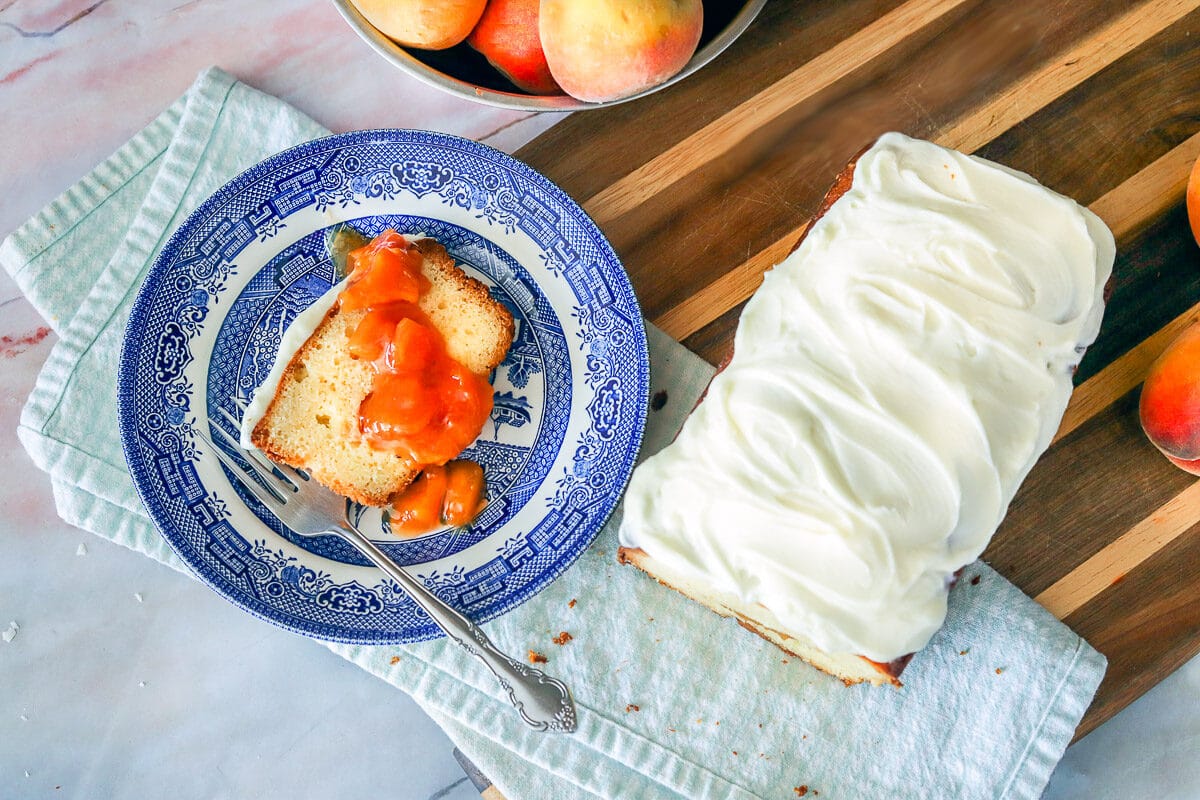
x: 850, y: 669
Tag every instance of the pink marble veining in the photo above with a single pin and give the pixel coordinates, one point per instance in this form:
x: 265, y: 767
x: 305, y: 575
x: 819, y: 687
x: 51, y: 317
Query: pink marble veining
x: 103, y: 74
x: 49, y: 18
x: 13, y: 346
x: 25, y: 342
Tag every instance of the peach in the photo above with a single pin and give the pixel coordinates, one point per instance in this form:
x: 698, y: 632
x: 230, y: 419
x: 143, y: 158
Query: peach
x: 1170, y: 403
x: 1193, y: 200
x: 602, y: 50
x: 507, y: 34
x: 427, y: 24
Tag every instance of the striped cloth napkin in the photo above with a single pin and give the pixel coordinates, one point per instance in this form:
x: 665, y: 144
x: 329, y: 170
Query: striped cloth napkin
x: 674, y: 702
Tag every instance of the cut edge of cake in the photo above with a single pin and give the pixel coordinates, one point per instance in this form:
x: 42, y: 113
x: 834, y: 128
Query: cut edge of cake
x: 758, y: 619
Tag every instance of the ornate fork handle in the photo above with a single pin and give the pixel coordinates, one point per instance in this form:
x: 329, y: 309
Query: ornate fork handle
x: 543, y: 702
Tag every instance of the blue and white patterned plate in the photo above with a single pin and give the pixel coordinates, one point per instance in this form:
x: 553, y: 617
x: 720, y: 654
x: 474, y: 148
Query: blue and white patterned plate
x: 570, y: 398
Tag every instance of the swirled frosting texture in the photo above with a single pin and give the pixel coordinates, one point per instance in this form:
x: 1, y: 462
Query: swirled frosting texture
x: 893, y: 382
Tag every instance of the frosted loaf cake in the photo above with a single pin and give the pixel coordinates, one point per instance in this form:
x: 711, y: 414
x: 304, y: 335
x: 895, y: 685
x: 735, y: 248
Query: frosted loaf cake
x: 893, y: 382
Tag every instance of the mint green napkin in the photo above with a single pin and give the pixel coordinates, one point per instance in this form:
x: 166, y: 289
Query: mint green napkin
x: 673, y: 700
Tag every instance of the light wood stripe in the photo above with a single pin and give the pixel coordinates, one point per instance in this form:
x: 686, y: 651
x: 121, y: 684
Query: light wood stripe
x: 1106, y: 567
x: 724, y: 133
x: 1125, y: 208
x: 1069, y: 69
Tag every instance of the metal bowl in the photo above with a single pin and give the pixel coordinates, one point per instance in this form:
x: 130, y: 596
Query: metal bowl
x: 462, y: 71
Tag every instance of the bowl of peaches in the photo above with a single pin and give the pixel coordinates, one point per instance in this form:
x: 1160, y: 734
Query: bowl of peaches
x: 549, y: 55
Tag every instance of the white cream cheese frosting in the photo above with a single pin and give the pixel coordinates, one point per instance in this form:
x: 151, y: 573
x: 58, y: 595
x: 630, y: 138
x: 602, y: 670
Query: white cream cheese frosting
x: 893, y: 382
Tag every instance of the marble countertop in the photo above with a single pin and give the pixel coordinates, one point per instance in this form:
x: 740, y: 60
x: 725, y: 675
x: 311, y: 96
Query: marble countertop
x: 126, y: 679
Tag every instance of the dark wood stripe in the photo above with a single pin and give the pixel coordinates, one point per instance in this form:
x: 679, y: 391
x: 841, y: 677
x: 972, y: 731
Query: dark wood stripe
x: 1157, y: 278
x: 1112, y: 563
x: 1105, y: 476
x: 1097, y: 135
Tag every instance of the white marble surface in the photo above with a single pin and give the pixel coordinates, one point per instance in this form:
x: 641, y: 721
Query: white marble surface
x: 126, y: 679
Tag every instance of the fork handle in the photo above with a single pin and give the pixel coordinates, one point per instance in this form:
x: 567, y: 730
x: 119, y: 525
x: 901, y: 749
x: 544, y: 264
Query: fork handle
x: 543, y: 702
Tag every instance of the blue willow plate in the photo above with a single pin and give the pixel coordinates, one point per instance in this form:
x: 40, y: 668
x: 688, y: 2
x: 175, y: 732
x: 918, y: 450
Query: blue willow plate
x: 570, y: 398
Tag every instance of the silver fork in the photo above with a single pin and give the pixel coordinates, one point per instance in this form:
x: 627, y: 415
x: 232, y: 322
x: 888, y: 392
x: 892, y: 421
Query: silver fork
x: 310, y: 509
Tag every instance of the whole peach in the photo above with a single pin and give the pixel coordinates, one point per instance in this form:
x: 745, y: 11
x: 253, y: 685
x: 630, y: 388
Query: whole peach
x: 427, y: 24
x: 507, y: 34
x: 602, y: 50
x: 1170, y: 403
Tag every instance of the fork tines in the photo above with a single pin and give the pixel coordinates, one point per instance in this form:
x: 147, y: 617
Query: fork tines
x: 268, y: 492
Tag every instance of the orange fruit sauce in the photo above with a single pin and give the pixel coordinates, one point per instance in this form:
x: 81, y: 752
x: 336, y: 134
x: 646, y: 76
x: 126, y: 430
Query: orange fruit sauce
x: 423, y: 404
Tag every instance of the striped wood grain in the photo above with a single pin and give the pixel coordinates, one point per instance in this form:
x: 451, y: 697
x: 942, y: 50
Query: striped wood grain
x: 1026, y: 96
x: 1115, y: 561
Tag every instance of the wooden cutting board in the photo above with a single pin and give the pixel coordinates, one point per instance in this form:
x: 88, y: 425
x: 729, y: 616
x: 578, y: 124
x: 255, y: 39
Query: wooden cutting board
x: 703, y: 186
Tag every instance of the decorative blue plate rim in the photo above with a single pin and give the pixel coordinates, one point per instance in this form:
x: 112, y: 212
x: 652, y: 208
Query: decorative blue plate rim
x: 502, y: 207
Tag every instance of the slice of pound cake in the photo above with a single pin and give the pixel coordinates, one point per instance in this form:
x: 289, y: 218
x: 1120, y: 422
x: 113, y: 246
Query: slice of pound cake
x: 892, y: 383
x: 394, y: 376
